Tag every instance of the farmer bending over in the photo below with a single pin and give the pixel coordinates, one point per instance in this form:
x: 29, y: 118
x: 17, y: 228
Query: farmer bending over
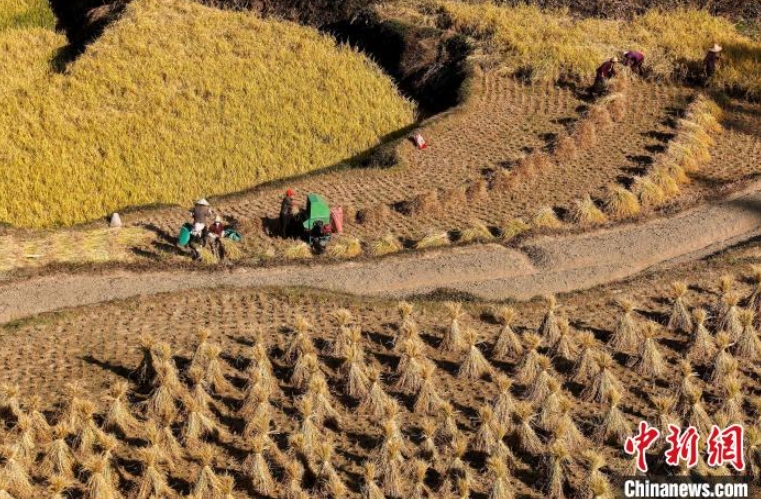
x: 604, y: 74
x: 214, y: 236
x: 712, y: 60
x: 634, y: 60
x: 201, y: 212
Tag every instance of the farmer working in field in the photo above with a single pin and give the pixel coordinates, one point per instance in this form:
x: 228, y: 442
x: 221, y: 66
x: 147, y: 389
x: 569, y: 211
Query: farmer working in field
x: 634, y: 60
x: 712, y: 60
x: 201, y: 212
x: 214, y: 236
x: 604, y: 74
x: 286, y: 213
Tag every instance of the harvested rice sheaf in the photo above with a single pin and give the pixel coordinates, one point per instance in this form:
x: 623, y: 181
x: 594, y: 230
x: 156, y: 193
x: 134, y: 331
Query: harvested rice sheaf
x: 513, y: 228
x: 345, y: 247
x: 433, y: 240
x: 477, y: 231
x: 680, y: 318
x: 585, y: 212
x: 546, y: 218
x: 508, y: 343
x: 387, y: 245
x: 621, y: 203
x: 454, y: 336
x: 626, y: 336
x: 649, y: 193
x: 298, y: 251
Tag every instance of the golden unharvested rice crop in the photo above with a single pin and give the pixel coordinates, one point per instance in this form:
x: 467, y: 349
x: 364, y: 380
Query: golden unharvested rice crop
x: 548, y: 44
x: 26, y: 14
x: 177, y: 101
x: 27, y: 42
x: 26, y: 61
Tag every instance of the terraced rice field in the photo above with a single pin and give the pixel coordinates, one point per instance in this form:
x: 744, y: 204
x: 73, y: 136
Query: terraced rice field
x: 98, y: 346
x: 502, y: 122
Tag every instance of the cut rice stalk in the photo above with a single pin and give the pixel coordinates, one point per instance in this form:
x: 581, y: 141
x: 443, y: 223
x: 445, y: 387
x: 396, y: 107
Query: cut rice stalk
x: 621, y: 203
x: 546, y: 218
x: 387, y: 245
x: 586, y: 213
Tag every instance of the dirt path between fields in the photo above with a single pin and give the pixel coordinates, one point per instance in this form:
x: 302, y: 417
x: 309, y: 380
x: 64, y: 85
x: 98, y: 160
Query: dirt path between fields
x: 540, y: 266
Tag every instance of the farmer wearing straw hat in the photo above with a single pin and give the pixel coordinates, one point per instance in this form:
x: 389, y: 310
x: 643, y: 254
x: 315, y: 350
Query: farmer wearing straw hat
x: 712, y: 60
x: 201, y: 211
x: 217, y: 229
x: 604, y: 74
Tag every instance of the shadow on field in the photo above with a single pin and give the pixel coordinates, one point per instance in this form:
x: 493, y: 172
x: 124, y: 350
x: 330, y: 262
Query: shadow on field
x: 748, y: 204
x: 427, y: 64
x: 119, y: 370
x: 382, y: 156
x: 165, y: 244
x: 63, y: 57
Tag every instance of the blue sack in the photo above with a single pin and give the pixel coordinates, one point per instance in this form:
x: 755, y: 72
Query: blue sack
x: 184, y: 237
x: 233, y: 235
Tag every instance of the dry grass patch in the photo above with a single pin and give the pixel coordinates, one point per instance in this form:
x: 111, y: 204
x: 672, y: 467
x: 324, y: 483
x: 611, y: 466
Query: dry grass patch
x: 566, y: 149
x: 72, y: 247
x: 586, y: 134
x: 427, y: 202
x: 177, y: 100
x: 600, y: 115
x: 477, y: 190
x: 661, y: 177
x: 233, y: 251
x: 455, y: 197
x: 616, y: 106
x: 374, y: 214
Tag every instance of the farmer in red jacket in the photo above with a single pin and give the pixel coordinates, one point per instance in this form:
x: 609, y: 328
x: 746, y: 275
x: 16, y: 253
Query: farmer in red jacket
x: 634, y: 60
x: 214, y: 235
x: 604, y: 74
